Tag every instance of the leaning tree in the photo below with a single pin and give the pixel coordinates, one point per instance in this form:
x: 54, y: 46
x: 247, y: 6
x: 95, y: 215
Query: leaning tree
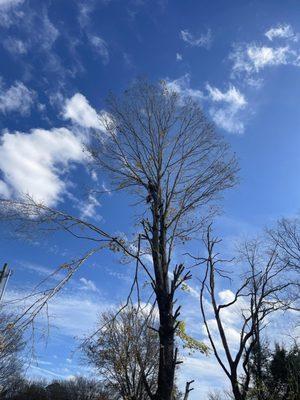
x: 159, y: 147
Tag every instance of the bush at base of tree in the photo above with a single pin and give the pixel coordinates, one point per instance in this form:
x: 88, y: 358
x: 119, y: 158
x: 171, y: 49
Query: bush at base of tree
x: 76, y: 389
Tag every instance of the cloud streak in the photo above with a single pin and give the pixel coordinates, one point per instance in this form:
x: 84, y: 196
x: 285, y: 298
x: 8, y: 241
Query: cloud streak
x: 101, y: 48
x: 204, y: 40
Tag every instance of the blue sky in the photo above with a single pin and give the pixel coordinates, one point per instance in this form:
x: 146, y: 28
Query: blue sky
x: 59, y: 59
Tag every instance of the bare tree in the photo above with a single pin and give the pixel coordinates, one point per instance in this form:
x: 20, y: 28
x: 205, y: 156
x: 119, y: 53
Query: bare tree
x: 125, y: 352
x: 11, y: 343
x: 261, y: 285
x: 286, y: 237
x: 161, y: 148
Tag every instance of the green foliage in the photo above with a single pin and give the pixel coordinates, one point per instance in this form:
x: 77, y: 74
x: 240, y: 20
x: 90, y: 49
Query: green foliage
x: 280, y: 375
x: 189, y: 342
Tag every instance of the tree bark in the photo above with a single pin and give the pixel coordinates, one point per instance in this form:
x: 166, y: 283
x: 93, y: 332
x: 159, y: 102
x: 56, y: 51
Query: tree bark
x: 166, y: 362
x: 167, y: 358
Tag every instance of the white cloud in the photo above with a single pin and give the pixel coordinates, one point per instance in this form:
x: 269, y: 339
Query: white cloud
x: 88, y: 285
x: 15, y: 46
x: 88, y: 209
x: 233, y: 96
x: 85, y: 9
x: 183, y: 88
x: 17, y: 98
x: 253, y: 58
x: 262, y: 56
x: 178, y: 57
x: 45, y: 372
x: 34, y: 163
x: 227, y: 114
x: 100, y: 46
x: 282, y: 32
x: 203, y: 40
x: 5, y: 190
x: 206, y: 373
x: 79, y: 111
x: 226, y: 118
x: 75, y: 315
x: 72, y: 312
x: 47, y: 33
x: 106, y: 189
x: 9, y: 12
x: 9, y: 3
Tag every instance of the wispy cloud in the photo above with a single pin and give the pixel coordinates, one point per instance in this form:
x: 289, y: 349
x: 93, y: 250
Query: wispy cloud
x: 88, y: 285
x: 9, y: 3
x: 88, y: 208
x: 233, y: 96
x: 182, y: 86
x: 100, y: 46
x: 283, y: 31
x: 227, y: 113
x: 224, y: 107
x: 249, y: 59
x: 70, y: 314
x: 15, y: 46
x: 8, y: 11
x: 252, y: 58
x: 204, y: 40
x: 17, y: 98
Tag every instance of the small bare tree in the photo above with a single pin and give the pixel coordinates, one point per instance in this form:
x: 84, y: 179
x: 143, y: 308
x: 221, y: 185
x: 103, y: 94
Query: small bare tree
x: 125, y: 352
x: 286, y: 237
x: 261, y: 285
x: 161, y: 148
x: 11, y: 343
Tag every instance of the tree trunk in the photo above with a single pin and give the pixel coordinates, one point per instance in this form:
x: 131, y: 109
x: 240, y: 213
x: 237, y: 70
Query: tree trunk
x: 236, y: 392
x: 166, y: 357
x: 167, y: 361
x: 238, y: 395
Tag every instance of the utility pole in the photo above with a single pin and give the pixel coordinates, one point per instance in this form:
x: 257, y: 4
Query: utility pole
x: 4, y: 276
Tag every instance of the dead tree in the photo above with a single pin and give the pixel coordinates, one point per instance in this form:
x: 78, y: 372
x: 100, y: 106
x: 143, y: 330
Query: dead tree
x: 256, y: 298
x: 161, y: 148
x: 286, y: 237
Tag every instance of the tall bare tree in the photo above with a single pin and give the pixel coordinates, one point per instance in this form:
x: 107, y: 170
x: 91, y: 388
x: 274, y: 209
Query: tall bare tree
x: 259, y: 293
x: 160, y: 147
